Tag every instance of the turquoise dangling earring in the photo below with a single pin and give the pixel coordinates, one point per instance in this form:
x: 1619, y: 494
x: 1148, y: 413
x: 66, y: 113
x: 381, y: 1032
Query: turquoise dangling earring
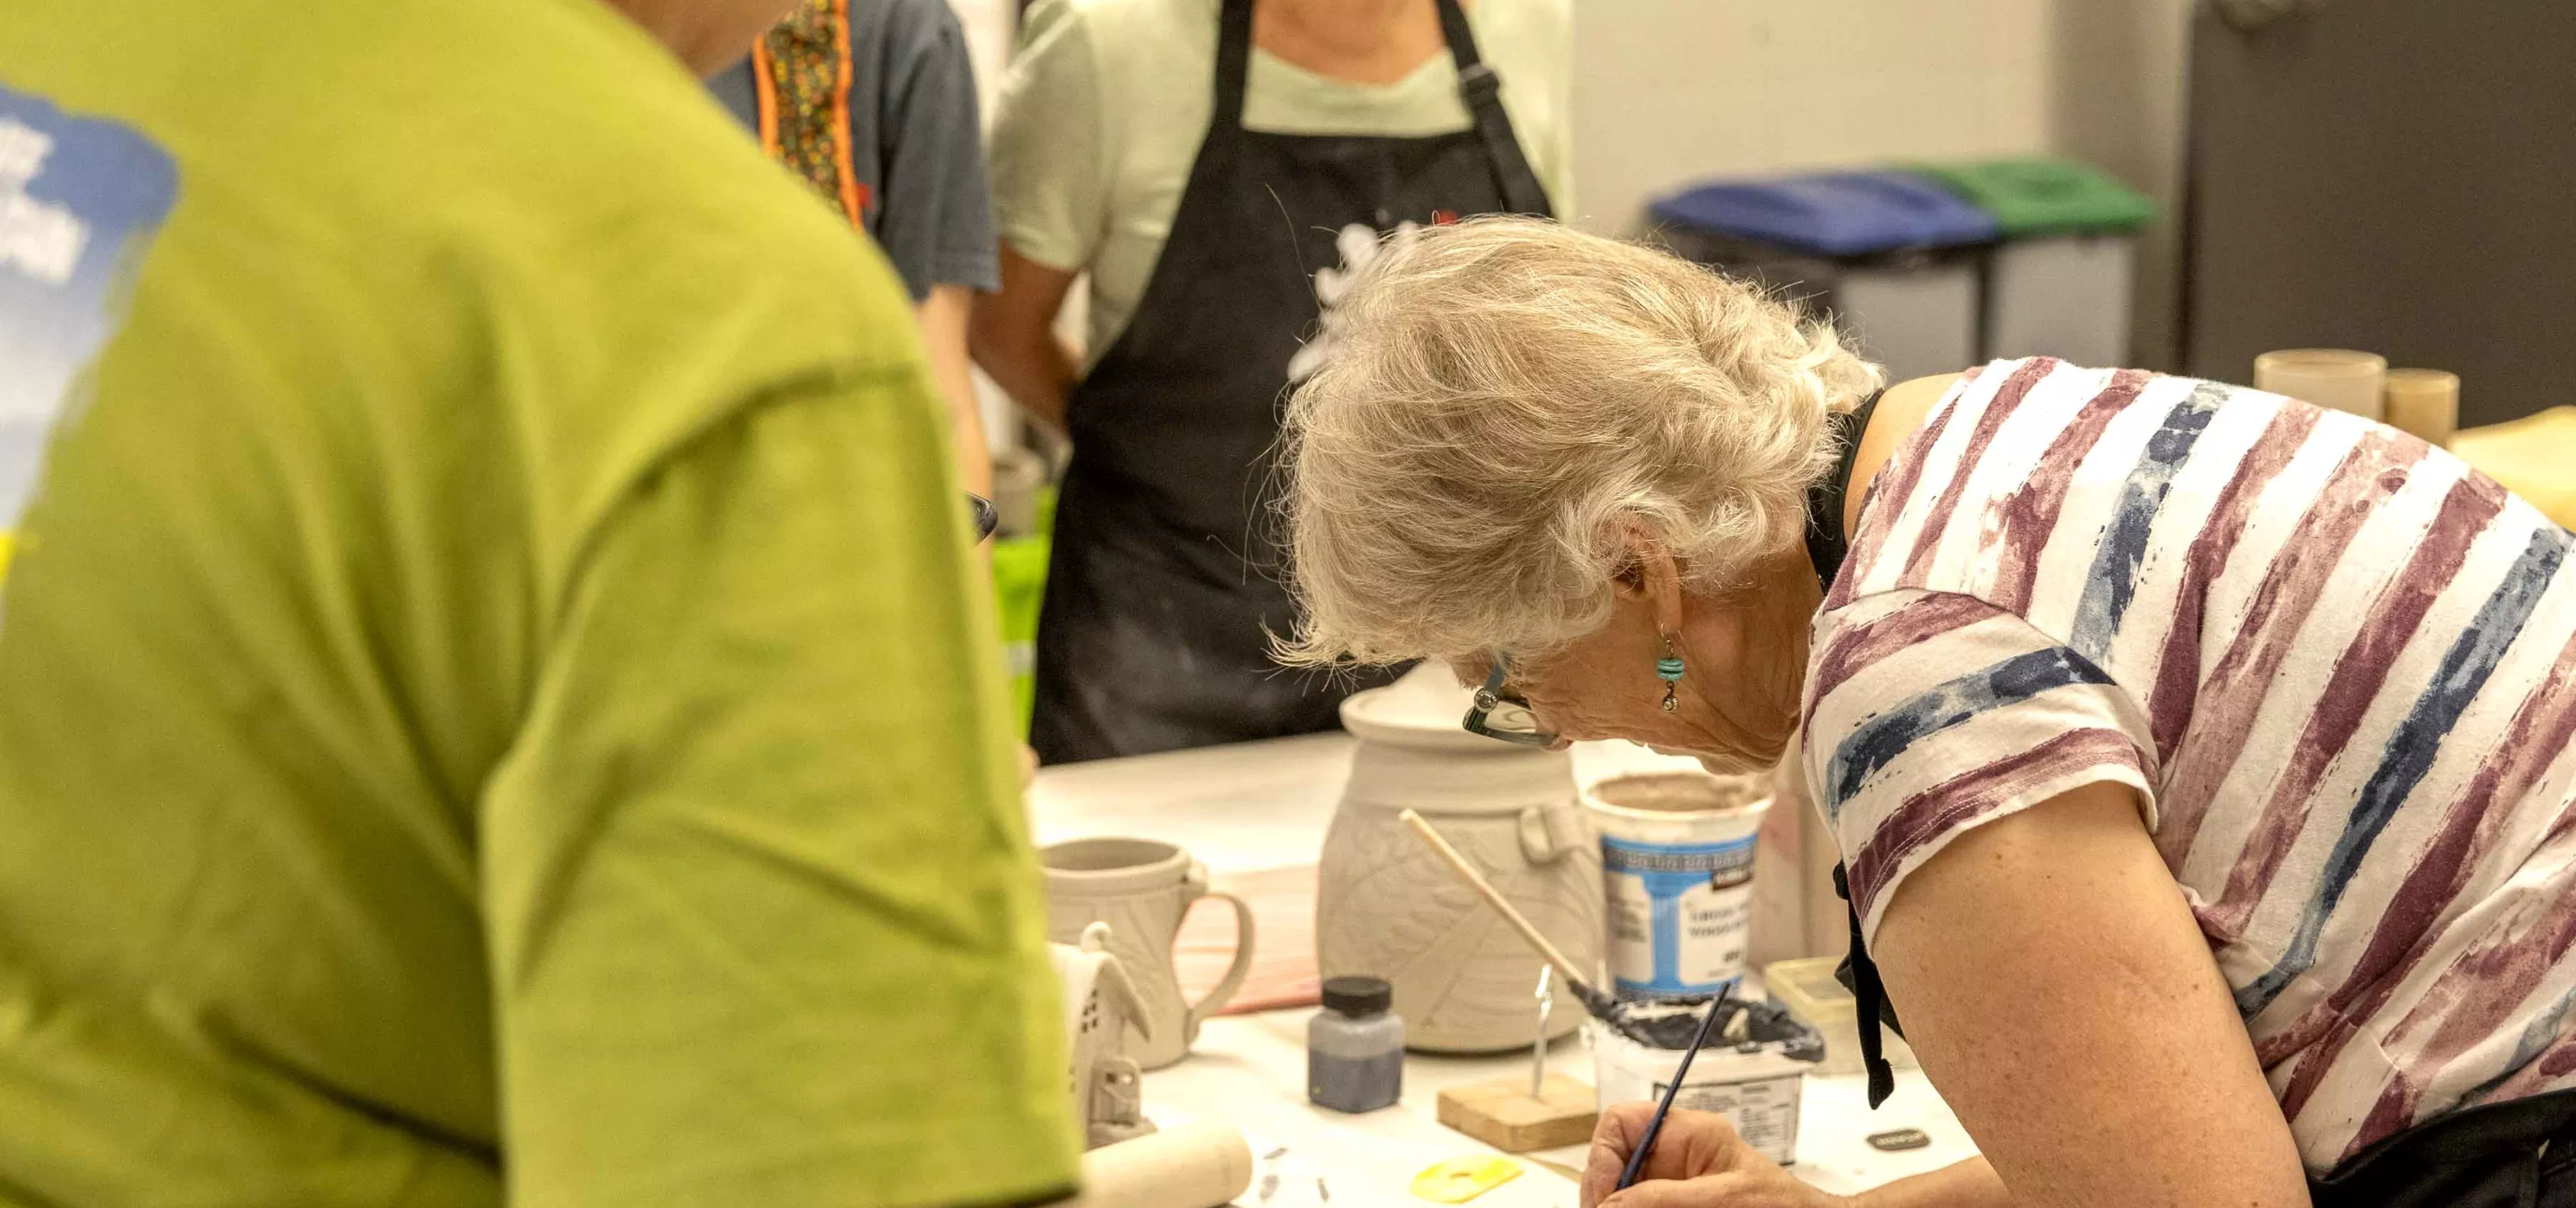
x: 1669, y: 670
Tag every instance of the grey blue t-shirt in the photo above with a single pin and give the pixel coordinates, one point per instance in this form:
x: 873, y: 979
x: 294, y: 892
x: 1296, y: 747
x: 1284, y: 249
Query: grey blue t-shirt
x: 918, y: 138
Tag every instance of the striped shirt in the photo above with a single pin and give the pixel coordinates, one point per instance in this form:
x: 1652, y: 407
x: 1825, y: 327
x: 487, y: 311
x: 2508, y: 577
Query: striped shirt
x: 2334, y: 661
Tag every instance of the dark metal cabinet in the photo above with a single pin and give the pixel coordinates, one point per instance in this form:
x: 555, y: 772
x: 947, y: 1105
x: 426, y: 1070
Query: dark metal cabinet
x: 2392, y: 175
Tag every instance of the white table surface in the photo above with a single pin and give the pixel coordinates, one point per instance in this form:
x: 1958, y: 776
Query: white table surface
x: 1265, y: 805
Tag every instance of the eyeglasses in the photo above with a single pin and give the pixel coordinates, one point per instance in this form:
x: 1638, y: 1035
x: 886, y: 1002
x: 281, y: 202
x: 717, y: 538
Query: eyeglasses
x: 1500, y: 713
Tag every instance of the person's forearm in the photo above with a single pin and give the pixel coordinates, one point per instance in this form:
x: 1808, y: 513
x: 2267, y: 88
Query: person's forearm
x: 943, y: 335
x: 1969, y: 1184
x: 1015, y: 340
x: 1036, y: 370
x: 974, y: 448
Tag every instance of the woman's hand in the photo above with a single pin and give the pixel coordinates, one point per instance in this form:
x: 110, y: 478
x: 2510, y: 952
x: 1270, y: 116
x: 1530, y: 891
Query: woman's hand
x: 1698, y: 1162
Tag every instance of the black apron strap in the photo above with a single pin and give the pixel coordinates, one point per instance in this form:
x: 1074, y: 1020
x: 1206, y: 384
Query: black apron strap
x: 1827, y: 545
x: 1233, y: 65
x: 1478, y: 87
x: 1870, y: 1011
x: 1482, y: 90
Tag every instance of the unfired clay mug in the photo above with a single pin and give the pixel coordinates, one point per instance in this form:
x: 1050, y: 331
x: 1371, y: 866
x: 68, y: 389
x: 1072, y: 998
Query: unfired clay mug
x: 2328, y: 377
x: 1141, y: 888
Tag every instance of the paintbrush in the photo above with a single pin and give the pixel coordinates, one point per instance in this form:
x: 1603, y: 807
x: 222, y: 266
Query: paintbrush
x: 1593, y: 1000
x: 1655, y: 1126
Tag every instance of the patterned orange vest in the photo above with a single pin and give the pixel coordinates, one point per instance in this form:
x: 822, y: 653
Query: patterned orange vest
x: 803, y: 67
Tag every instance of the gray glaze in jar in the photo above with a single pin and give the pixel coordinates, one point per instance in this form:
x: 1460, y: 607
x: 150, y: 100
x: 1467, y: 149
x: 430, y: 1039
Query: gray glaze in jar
x: 1355, y: 1047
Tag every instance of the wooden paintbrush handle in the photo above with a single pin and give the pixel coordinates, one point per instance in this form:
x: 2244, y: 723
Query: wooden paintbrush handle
x: 1575, y: 978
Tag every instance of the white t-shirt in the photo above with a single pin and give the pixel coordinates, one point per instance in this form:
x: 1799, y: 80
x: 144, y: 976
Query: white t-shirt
x: 1108, y: 101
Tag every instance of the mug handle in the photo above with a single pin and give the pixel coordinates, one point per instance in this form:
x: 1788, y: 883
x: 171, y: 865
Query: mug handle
x: 1550, y: 831
x: 1223, y: 992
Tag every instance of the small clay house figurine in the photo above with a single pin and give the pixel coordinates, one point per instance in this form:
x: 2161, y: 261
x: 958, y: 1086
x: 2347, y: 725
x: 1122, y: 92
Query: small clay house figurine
x: 1100, y: 1004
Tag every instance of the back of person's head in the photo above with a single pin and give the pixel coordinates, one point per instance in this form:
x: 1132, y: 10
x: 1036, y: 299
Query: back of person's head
x: 1507, y: 402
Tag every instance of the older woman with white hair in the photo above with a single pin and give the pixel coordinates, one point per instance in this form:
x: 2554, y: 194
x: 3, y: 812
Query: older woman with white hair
x: 2198, y: 757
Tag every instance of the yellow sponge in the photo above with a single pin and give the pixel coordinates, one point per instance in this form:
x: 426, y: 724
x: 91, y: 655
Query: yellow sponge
x: 1459, y: 1180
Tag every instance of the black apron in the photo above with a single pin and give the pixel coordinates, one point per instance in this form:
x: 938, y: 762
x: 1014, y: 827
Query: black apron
x: 1163, y: 584
x: 2520, y: 1153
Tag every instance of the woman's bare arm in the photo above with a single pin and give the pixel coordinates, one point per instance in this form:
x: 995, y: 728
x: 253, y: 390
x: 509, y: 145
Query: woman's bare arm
x: 1969, y: 1184
x: 2063, y: 1000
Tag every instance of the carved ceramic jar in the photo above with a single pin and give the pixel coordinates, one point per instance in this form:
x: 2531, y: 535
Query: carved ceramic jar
x: 1387, y: 906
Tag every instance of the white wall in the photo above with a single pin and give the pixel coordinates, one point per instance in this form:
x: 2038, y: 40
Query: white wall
x: 1669, y: 91
x: 2119, y: 96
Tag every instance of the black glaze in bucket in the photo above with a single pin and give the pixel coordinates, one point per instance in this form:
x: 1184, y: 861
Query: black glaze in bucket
x: 1670, y: 1025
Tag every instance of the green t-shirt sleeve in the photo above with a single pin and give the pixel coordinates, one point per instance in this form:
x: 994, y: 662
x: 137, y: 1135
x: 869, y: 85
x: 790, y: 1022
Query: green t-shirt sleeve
x: 1050, y: 168
x: 764, y: 919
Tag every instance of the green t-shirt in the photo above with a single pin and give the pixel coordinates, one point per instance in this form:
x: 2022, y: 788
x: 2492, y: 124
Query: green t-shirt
x: 493, y: 705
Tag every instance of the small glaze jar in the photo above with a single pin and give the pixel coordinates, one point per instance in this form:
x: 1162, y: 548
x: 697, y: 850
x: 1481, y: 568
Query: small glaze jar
x: 1355, y: 1047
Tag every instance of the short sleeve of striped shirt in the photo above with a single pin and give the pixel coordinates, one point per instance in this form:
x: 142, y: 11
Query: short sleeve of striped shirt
x: 1929, y: 713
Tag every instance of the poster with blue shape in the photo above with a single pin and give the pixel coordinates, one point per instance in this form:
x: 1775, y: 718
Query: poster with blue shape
x: 80, y: 200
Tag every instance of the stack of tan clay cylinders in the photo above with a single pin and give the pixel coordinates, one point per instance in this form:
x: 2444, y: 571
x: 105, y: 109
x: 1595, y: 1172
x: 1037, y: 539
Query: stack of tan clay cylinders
x: 2424, y: 403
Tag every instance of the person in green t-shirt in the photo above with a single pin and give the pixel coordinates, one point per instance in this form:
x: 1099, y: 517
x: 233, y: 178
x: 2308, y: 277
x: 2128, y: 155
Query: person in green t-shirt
x: 495, y: 705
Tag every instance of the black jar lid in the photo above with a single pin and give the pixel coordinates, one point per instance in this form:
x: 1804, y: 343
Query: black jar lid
x: 1358, y: 995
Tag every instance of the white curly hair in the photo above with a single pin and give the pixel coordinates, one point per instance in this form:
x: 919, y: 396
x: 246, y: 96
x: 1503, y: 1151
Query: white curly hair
x: 1509, y: 404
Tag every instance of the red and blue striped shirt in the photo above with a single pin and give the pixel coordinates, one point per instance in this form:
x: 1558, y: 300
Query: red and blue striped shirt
x: 2334, y: 661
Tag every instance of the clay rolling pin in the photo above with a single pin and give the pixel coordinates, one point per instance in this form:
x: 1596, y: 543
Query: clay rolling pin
x: 1198, y: 1166
x: 1574, y: 978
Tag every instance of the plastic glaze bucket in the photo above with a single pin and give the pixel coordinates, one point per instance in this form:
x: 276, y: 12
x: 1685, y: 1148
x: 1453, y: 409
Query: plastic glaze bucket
x: 1755, y: 1083
x: 1677, y: 877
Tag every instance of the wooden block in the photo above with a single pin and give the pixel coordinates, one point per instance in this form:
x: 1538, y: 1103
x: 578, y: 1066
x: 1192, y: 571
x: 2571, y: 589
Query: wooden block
x: 1502, y: 1114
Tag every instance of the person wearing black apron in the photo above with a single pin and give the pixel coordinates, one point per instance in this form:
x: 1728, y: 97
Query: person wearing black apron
x: 1163, y: 587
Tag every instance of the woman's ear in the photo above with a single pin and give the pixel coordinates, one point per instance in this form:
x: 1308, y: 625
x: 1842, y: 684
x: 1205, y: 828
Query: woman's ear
x: 1653, y: 579
x: 1629, y: 581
